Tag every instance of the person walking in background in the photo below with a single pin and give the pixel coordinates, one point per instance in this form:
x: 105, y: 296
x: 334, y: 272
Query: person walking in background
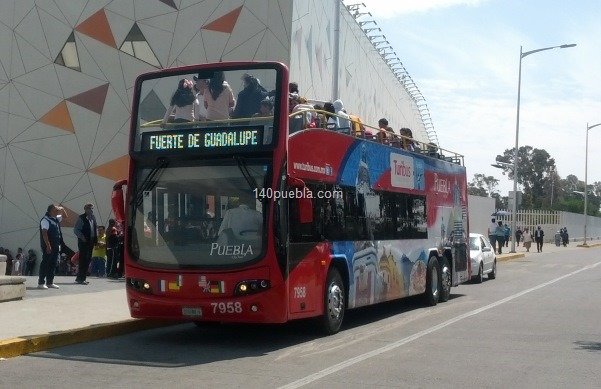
x: 51, y: 238
x: 9, y: 262
x: 492, y: 228
x: 538, y: 237
x: 500, y: 235
x: 507, y: 234
x: 518, y: 236
x: 527, y: 239
x: 85, y: 230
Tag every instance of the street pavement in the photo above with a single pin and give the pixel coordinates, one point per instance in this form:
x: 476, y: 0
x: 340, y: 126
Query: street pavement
x: 48, y: 318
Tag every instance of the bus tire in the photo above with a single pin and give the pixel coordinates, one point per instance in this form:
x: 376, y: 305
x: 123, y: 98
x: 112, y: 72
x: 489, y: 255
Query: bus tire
x: 334, y: 303
x: 445, y: 280
x: 432, y: 293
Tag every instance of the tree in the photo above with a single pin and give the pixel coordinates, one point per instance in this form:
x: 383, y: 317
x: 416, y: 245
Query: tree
x: 534, y: 174
x: 482, y: 185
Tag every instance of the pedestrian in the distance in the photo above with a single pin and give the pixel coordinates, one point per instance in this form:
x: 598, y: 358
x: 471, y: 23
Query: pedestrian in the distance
x: 491, y: 233
x: 538, y: 237
x: 507, y: 232
x: 51, y: 238
x: 500, y: 235
x: 527, y: 239
x: 85, y: 230
x: 518, y: 236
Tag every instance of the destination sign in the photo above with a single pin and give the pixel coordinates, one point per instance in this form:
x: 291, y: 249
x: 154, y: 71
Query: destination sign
x: 239, y: 138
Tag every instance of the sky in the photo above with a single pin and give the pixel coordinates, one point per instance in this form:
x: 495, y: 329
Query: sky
x: 464, y: 56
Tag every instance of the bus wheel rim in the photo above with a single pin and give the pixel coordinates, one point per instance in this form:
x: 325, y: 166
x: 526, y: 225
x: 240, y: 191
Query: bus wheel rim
x: 335, y: 301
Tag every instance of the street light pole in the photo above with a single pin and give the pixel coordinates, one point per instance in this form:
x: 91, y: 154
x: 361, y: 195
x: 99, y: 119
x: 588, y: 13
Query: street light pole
x: 514, y: 207
x: 586, y: 180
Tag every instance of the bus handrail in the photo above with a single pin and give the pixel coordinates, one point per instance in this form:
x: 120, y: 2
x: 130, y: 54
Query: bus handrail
x: 429, y: 149
x: 159, y: 122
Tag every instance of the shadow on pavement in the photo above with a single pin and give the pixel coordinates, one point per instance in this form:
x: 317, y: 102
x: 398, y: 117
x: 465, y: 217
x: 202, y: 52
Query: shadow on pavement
x: 589, y: 346
x: 185, y: 344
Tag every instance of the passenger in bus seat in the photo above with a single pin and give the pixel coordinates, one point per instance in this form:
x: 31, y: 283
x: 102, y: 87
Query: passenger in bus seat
x: 240, y: 222
x: 183, y: 103
x: 293, y: 88
x: 319, y: 119
x: 249, y: 98
x: 220, y: 99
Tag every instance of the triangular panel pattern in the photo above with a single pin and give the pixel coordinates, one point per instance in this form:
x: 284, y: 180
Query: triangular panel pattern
x: 59, y: 117
x: 113, y: 170
x: 225, y: 23
x: 169, y: 3
x: 92, y: 99
x: 136, y: 45
x: 68, y: 56
x: 97, y: 27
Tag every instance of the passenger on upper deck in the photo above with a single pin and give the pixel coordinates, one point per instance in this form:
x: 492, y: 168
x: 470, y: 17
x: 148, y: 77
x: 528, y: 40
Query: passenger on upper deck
x: 344, y: 124
x: 407, y: 142
x: 265, y: 109
x: 249, y: 98
x: 293, y: 88
x: 183, y: 103
x: 200, y: 86
x: 220, y: 98
x: 386, y: 132
x: 303, y: 105
x: 332, y: 122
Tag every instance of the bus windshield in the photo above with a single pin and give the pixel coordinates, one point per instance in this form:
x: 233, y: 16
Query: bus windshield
x: 194, y: 215
x: 215, y: 110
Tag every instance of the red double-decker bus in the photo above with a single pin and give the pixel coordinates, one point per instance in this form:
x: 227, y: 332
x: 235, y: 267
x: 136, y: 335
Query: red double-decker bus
x: 240, y: 213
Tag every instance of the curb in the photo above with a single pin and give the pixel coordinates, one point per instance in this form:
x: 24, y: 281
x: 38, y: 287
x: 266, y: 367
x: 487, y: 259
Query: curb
x: 589, y: 246
x: 33, y: 343
x: 509, y: 257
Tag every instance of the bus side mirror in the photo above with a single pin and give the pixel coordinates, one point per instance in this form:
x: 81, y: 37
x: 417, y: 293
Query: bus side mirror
x: 305, y: 204
x: 117, y: 200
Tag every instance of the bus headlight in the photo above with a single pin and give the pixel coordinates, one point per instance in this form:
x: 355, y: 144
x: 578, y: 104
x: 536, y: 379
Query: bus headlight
x: 251, y: 286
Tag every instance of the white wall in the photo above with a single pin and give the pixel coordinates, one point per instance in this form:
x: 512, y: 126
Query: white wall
x: 479, y: 211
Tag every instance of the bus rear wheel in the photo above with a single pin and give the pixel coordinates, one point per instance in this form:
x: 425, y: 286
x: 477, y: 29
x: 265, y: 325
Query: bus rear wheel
x: 334, y: 303
x: 432, y: 293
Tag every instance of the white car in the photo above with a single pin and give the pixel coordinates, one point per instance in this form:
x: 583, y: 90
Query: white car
x: 482, y: 255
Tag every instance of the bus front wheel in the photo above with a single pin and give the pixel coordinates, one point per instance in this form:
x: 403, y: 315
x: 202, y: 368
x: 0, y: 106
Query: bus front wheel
x: 432, y: 293
x: 334, y: 303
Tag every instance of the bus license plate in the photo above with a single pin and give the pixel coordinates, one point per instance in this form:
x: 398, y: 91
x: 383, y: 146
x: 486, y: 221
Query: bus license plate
x: 192, y: 312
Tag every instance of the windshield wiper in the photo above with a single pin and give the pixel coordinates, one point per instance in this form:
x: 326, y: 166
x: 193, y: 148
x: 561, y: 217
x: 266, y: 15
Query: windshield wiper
x: 246, y: 174
x: 151, y: 180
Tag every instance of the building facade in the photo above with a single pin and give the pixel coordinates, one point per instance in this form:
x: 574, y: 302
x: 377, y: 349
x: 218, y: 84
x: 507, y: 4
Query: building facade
x: 68, y: 67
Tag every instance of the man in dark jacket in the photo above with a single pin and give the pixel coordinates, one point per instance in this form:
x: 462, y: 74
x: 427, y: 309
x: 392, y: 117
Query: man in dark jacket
x: 249, y: 98
x: 51, y: 239
x: 539, y: 234
x: 86, y: 231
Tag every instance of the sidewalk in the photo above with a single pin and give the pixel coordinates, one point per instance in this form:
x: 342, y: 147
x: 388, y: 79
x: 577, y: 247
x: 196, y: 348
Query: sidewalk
x: 48, y: 318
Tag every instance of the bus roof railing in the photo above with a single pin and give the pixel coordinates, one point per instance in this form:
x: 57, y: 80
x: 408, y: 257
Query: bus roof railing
x: 358, y: 129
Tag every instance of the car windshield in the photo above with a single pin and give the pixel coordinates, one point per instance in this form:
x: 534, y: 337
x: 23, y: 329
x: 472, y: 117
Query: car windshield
x: 474, y: 243
x: 200, y: 215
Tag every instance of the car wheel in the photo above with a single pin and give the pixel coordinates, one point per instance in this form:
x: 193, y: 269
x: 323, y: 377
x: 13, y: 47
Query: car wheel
x: 432, y: 293
x: 480, y: 276
x: 334, y: 303
x: 493, y: 274
x: 445, y: 280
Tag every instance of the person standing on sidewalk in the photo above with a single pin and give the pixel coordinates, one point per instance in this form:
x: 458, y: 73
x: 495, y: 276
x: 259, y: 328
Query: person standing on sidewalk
x: 500, y: 235
x: 491, y: 234
x: 527, y: 239
x: 51, y: 239
x: 538, y: 237
x: 112, y: 247
x: 85, y: 230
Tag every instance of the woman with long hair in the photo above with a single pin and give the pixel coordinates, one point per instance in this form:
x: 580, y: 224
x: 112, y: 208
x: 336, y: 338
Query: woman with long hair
x: 184, y: 104
x: 220, y: 99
